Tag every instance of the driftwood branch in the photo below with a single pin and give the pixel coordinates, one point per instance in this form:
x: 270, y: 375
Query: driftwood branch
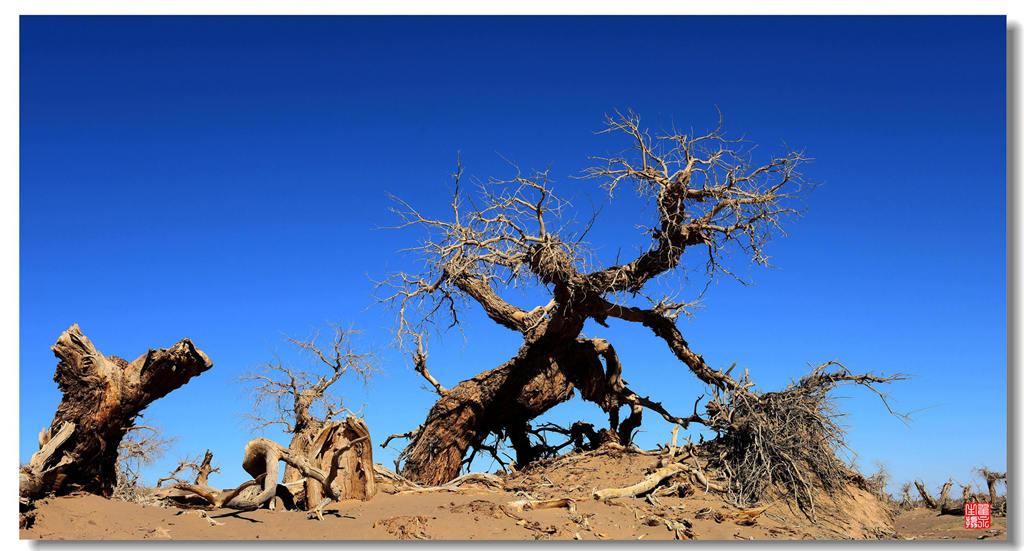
x: 531, y: 504
x: 644, y: 486
x: 218, y: 498
x: 456, y: 483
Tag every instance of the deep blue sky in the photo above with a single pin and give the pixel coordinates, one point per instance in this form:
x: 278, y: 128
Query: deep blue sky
x: 223, y: 178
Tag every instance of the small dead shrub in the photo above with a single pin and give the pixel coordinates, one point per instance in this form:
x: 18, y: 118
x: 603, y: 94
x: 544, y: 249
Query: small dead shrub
x: 789, y: 437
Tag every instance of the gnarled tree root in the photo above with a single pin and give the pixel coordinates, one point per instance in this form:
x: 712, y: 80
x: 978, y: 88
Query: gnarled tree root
x: 456, y: 484
x: 261, y: 461
x: 218, y: 498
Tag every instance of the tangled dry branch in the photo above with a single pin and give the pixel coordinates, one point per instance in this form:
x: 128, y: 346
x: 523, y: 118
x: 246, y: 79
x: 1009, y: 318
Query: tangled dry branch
x: 298, y: 399
x: 790, y: 437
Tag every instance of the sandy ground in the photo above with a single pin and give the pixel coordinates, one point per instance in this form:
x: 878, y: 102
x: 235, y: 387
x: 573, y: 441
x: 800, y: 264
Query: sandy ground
x: 476, y: 512
x: 925, y: 524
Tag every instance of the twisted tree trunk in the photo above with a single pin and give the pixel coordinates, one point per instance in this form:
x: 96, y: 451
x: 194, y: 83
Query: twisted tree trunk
x: 510, y: 394
x: 102, y: 397
x: 305, y: 431
x: 543, y: 375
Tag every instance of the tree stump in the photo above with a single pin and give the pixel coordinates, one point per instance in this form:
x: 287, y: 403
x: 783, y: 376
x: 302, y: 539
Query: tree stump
x: 355, y: 477
x: 102, y: 397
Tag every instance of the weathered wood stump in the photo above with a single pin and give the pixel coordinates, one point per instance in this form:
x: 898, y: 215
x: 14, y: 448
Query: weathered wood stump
x: 339, y: 466
x: 355, y: 466
x: 102, y: 397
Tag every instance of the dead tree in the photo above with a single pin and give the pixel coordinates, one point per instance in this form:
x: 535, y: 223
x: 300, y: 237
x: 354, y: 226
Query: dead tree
x: 956, y: 506
x: 302, y: 401
x: 202, y: 470
x: 966, y: 492
x: 141, y: 446
x: 789, y: 437
x: 944, y: 494
x: 878, y: 481
x: 102, y: 397
x: 991, y: 479
x: 929, y: 501
x: 711, y: 197
x: 906, y: 502
x: 355, y: 462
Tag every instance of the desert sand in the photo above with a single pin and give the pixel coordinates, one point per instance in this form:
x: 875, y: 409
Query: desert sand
x: 477, y: 511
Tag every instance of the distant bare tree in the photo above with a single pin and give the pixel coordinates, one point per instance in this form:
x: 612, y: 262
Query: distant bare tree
x: 200, y: 469
x: 906, y: 502
x: 302, y: 401
x: 991, y: 479
x: 140, y: 447
x: 713, y: 197
x: 879, y: 480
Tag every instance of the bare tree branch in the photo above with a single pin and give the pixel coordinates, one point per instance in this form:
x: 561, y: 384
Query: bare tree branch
x: 297, y: 398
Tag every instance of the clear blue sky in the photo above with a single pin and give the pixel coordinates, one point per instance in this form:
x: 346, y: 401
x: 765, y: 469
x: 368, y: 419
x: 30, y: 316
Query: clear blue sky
x: 223, y: 178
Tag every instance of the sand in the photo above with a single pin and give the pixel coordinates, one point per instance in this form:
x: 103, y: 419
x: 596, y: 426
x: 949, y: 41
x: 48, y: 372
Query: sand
x: 477, y: 512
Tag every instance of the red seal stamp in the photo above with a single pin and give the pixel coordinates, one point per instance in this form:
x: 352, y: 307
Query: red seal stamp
x: 977, y: 515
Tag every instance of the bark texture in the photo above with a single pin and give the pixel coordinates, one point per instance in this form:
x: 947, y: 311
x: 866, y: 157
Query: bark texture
x: 102, y: 397
x: 304, y: 431
x: 510, y: 394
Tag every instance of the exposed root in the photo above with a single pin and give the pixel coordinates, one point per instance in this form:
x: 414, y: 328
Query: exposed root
x: 218, y: 498
x: 261, y: 460
x: 456, y: 484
